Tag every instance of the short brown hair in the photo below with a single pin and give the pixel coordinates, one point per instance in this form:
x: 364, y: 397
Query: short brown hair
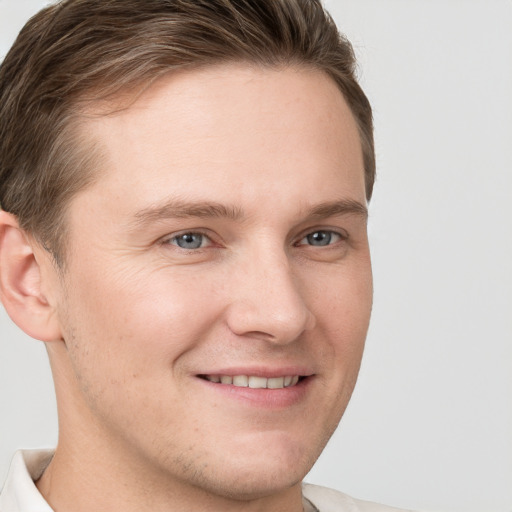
x: 84, y: 50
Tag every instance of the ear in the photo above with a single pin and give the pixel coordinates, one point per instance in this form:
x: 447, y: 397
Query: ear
x: 21, y: 287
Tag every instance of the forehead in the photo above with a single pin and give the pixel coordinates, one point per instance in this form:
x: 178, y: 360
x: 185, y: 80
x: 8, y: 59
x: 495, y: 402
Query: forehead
x: 230, y: 128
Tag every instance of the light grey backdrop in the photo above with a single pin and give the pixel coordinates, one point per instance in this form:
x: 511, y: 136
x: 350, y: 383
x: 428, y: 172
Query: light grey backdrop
x: 430, y: 424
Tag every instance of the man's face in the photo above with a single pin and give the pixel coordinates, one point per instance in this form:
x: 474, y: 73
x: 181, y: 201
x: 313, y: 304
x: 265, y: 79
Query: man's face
x: 225, y: 240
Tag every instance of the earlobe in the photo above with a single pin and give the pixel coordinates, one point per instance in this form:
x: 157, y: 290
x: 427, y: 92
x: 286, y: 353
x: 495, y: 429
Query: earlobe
x: 21, y: 283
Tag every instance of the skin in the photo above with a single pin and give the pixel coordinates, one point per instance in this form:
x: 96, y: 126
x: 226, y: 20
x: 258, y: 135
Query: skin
x: 253, y: 161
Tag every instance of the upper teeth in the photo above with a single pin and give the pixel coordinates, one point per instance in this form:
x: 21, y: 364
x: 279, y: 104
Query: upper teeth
x: 251, y: 381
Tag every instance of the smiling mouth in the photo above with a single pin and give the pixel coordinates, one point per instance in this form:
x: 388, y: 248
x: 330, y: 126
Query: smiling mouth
x: 255, y: 382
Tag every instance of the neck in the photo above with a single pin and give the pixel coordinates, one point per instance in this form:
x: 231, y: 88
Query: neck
x: 81, y: 481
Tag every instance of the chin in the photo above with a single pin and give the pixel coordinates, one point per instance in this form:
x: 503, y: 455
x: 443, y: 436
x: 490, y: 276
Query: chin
x: 268, y: 470
x: 251, y: 483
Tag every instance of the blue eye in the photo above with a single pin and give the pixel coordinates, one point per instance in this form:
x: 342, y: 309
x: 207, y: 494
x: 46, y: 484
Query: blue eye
x: 190, y: 240
x: 321, y: 238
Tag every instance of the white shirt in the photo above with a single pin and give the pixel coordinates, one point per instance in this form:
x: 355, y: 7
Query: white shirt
x: 21, y: 495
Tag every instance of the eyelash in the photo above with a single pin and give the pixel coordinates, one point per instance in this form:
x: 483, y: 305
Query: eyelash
x: 176, y: 237
x: 341, y: 236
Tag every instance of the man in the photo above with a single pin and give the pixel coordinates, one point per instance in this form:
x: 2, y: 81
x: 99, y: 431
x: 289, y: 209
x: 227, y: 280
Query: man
x: 184, y: 187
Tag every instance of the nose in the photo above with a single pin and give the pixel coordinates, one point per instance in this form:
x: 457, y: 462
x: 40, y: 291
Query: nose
x: 267, y: 301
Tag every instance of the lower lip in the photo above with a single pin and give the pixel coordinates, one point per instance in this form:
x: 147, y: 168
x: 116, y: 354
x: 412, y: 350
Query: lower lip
x: 264, y: 398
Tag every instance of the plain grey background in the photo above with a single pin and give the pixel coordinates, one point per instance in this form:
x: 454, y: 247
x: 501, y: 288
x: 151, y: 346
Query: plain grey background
x: 430, y: 423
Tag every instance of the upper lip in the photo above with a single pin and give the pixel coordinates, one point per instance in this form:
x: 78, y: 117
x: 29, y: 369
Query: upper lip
x: 260, y: 371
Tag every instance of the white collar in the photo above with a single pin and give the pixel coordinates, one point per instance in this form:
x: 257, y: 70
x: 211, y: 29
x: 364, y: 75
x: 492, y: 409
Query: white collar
x: 20, y: 494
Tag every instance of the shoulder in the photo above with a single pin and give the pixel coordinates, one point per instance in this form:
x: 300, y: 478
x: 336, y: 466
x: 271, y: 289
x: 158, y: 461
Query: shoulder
x: 330, y: 500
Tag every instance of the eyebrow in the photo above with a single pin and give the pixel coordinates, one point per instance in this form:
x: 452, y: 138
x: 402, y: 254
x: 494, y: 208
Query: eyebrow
x: 181, y: 209
x: 337, y: 208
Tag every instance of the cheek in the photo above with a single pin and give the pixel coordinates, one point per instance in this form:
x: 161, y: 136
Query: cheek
x: 342, y: 308
x: 342, y: 299
x: 133, y: 323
